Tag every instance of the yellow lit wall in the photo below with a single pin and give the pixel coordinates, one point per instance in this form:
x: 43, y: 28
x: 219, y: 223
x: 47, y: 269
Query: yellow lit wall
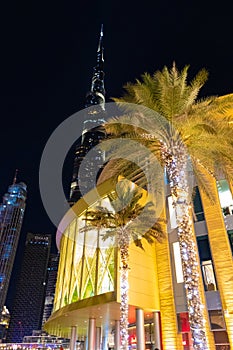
x: 171, y: 339
x: 221, y: 254
x: 143, y: 281
x: 78, y: 272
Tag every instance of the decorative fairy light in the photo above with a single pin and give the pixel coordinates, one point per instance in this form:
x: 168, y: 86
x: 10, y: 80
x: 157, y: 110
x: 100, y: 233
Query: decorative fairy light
x: 123, y: 243
x: 176, y: 160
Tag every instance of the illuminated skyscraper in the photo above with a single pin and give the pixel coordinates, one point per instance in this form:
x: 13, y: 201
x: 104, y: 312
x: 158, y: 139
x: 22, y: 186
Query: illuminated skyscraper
x: 91, y: 134
x: 50, y: 286
x: 11, y: 218
x: 27, y: 309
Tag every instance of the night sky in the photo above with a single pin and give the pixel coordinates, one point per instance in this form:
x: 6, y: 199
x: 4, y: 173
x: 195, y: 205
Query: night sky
x: 48, y: 50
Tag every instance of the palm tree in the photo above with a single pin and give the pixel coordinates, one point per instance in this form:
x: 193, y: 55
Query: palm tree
x: 182, y: 131
x: 127, y: 221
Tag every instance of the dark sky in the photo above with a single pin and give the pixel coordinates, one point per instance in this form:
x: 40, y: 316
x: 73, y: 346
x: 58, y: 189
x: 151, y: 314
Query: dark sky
x: 48, y: 50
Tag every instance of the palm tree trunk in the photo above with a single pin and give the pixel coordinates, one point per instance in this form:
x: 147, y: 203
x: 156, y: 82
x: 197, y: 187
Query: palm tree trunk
x: 97, y: 262
x: 123, y: 242
x: 176, y: 161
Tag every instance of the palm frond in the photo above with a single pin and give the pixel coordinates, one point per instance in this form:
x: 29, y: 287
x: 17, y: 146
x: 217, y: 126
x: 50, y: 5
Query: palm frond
x: 205, y: 126
x: 138, y: 220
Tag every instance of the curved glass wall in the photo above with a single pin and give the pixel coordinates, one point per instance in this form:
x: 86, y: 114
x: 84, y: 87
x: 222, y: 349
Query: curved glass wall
x: 87, y: 261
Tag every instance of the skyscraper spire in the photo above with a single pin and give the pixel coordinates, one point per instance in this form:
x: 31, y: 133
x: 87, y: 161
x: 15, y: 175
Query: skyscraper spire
x: 100, y: 47
x: 96, y: 96
x: 15, y: 177
x: 92, y: 132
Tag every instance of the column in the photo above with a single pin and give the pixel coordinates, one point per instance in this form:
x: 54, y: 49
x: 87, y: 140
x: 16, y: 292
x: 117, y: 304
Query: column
x: 98, y: 338
x: 140, y: 331
x: 157, y: 330
x: 117, y: 339
x: 73, y: 338
x: 91, y: 334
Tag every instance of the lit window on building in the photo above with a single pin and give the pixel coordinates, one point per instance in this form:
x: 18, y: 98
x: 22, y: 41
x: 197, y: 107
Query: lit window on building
x: 221, y: 340
x: 225, y: 197
x: 216, y: 320
x: 178, y: 263
x: 183, y: 322
x: 172, y: 213
x: 207, y: 268
x: 197, y: 204
x: 208, y: 275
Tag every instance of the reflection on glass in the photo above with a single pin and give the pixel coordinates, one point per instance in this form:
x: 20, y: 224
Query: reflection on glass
x: 208, y: 275
x: 217, y: 321
x: 225, y: 197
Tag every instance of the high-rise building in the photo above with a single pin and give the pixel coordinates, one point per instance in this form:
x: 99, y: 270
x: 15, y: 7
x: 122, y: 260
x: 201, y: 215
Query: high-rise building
x: 4, y: 323
x: 28, y: 304
x: 50, y: 286
x: 87, y: 298
x: 11, y: 218
x: 92, y: 132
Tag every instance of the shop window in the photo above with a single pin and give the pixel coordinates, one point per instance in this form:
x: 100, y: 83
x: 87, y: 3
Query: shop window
x: 218, y: 326
x: 217, y: 321
x: 183, y: 322
x: 197, y: 204
x: 206, y: 263
x: 208, y: 275
x: 225, y: 197
x: 221, y: 340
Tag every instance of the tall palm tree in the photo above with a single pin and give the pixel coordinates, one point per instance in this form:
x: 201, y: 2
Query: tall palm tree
x: 127, y: 221
x: 182, y: 131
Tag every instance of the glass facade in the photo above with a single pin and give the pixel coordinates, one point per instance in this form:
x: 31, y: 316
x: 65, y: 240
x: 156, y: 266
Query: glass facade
x: 86, y: 166
x: 149, y: 336
x: 92, y: 134
x: 208, y: 275
x: 87, y: 263
x: 27, y: 309
x: 218, y: 318
x: 206, y: 264
x: 218, y: 326
x: 225, y: 197
x: 50, y: 286
x: 197, y: 203
x: 11, y: 218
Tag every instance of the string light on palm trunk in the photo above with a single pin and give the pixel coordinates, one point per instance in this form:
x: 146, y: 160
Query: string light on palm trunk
x: 123, y: 243
x: 175, y: 159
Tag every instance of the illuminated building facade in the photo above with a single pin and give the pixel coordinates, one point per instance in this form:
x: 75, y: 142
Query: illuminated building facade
x: 11, y: 218
x: 87, y: 291
x: 87, y: 299
x: 27, y: 309
x: 213, y: 234
x: 91, y: 134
